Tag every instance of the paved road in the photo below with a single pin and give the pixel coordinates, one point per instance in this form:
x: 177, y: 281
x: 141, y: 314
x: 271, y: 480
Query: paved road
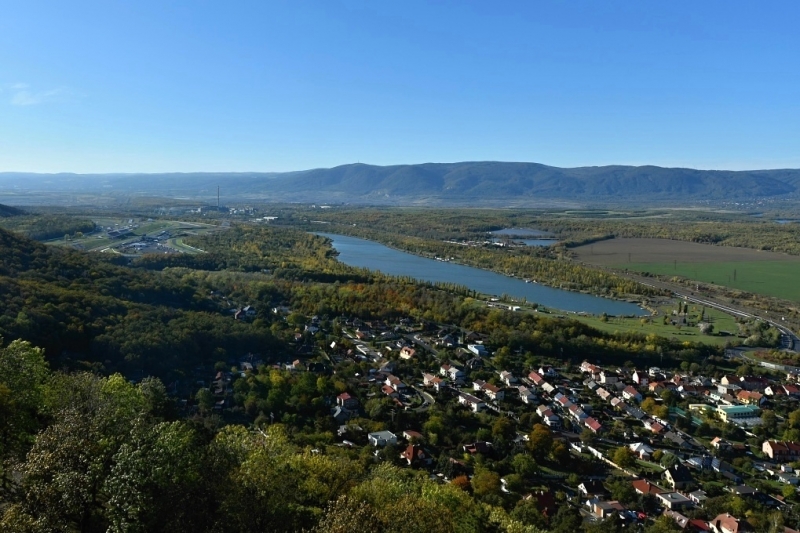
x: 429, y: 400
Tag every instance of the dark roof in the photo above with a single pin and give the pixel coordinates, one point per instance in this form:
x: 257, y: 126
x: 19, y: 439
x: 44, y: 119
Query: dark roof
x: 680, y: 474
x: 594, y: 486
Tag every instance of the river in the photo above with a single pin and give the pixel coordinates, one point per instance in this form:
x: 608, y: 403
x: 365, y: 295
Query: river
x: 375, y: 256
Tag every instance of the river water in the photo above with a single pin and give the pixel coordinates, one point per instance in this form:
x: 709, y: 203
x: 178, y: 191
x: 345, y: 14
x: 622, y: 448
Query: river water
x: 375, y: 256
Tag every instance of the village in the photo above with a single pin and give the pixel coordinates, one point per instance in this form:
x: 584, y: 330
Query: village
x: 632, y: 444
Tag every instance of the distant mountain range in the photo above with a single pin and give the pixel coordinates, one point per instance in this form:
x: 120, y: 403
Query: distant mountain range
x: 468, y: 183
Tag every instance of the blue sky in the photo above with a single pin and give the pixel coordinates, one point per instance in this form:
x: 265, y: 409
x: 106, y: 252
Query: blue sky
x: 151, y: 86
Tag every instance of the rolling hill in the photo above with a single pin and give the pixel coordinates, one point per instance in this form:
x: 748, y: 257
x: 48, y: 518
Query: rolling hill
x: 467, y: 183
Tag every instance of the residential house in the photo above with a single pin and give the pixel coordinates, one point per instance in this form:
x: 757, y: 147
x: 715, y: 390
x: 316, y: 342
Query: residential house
x: 395, y: 383
x: 700, y: 462
x: 751, y: 397
x: 415, y: 455
x: 591, y: 384
x: 791, y: 390
x: 678, y: 440
x: 455, y: 373
x: 347, y: 401
x: 476, y: 363
x: 593, y: 489
x: 548, y: 371
x: 589, y: 368
x: 629, y: 393
x: 593, y: 425
x: 449, y: 340
x: 507, y: 378
x: 725, y: 523
x: 698, y: 496
x: 678, y: 476
x: 411, y: 435
x: 536, y: 378
x: 438, y: 384
x: 674, y: 501
x: 608, y: 377
x: 603, y: 394
x: 478, y: 349
x: 382, y: 438
x: 526, y: 395
x: 691, y: 390
x: 642, y: 451
x: 720, y: 466
x: 642, y: 486
x: 783, y: 451
x: 640, y: 378
x: 407, y: 352
x: 577, y: 413
x: 603, y: 509
x: 653, y: 426
x: 680, y: 520
x: 494, y: 392
x: 389, y: 391
x: 718, y: 443
x: 550, y: 419
x: 476, y: 404
x: 753, y: 383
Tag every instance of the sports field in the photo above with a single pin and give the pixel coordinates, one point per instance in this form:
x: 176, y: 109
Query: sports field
x: 760, y: 272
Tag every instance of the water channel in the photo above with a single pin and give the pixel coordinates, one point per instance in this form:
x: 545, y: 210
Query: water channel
x: 375, y: 256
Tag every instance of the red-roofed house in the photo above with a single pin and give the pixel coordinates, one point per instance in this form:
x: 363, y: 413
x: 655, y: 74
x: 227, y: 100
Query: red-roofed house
x: 781, y: 450
x: 407, y: 352
x: 535, y: 378
x: 593, y: 425
x: 642, y: 486
x: 629, y: 393
x: 347, y: 401
x: 493, y: 392
x: 415, y: 455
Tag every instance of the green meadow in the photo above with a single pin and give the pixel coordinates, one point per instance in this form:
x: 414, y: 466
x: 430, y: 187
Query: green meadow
x: 780, y: 279
x: 655, y: 325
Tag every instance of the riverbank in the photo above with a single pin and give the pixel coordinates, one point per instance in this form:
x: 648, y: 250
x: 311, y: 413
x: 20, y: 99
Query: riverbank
x: 364, y: 253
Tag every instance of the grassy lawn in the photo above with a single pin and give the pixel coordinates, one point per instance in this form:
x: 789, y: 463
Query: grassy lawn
x: 780, y: 279
x: 656, y: 326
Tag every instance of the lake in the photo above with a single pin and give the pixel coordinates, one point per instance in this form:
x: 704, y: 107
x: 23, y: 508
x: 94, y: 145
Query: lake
x: 375, y: 256
x: 522, y: 235
x: 521, y: 232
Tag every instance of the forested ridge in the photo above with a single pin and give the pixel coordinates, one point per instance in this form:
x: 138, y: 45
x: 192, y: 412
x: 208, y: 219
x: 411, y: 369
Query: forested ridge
x: 42, y: 227
x: 472, y: 183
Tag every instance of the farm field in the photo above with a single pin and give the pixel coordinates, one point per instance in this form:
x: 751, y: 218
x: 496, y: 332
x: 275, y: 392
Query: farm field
x: 756, y: 271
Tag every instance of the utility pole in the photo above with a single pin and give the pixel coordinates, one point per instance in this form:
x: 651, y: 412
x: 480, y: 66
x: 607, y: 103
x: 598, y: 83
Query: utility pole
x: 218, y: 198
